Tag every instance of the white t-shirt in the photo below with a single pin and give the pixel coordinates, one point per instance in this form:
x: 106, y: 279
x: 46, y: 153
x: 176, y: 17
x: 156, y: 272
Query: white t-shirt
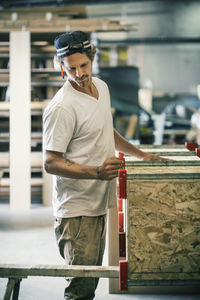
x: 81, y: 127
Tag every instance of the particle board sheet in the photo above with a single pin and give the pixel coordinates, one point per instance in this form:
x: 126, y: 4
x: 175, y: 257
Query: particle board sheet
x: 172, y: 156
x: 160, y: 170
x: 180, y: 169
x: 167, y: 150
x: 163, y: 225
x: 149, y: 146
x: 170, y: 152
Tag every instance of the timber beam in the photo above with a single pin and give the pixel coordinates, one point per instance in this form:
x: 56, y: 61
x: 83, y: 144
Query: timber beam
x: 21, y: 271
x: 60, y: 19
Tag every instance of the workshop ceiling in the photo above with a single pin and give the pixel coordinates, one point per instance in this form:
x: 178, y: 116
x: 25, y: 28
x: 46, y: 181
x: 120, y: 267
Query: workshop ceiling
x: 36, y: 3
x: 142, y: 21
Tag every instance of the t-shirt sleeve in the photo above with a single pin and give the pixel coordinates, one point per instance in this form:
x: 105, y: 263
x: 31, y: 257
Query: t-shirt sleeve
x: 58, y: 128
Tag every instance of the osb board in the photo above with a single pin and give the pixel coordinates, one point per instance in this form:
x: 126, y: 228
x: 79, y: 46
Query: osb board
x: 171, y: 157
x: 163, y: 227
x: 164, y: 149
x: 165, y: 146
x: 163, y: 169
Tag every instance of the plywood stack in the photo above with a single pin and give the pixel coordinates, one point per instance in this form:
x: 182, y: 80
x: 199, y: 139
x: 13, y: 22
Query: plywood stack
x: 163, y: 219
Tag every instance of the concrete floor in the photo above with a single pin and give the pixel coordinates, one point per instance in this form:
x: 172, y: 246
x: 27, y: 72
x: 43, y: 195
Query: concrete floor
x: 28, y: 238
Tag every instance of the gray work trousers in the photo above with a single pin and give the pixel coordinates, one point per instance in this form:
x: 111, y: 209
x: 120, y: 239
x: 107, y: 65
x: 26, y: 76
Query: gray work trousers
x: 81, y: 241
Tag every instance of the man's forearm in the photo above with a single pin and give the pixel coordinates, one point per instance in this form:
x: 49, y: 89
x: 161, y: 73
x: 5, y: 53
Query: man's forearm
x: 125, y: 147
x: 55, y: 163
x: 63, y: 167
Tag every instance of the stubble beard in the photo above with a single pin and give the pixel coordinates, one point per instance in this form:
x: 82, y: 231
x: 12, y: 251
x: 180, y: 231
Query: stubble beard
x: 84, y: 83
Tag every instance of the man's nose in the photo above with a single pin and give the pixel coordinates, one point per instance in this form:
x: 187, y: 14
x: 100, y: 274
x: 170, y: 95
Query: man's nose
x: 79, y: 72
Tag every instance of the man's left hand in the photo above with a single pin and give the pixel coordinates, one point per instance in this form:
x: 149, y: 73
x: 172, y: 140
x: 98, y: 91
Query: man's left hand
x: 149, y: 157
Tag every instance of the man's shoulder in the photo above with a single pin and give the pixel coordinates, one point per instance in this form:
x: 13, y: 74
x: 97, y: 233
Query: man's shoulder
x: 99, y: 81
x: 60, y: 99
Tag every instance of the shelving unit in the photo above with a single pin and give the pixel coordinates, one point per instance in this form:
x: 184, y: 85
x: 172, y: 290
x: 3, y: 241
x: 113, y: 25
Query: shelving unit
x: 45, y: 81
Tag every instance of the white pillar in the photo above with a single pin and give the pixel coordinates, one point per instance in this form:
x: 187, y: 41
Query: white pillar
x: 113, y: 247
x: 20, y: 121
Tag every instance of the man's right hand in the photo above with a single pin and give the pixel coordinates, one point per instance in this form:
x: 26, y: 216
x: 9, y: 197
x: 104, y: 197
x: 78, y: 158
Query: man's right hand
x: 109, y: 169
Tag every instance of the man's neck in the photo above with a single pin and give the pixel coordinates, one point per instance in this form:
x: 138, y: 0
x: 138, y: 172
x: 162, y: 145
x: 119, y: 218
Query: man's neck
x: 90, y: 89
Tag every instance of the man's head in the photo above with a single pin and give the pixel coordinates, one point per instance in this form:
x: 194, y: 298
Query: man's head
x: 74, y: 42
x: 76, y: 55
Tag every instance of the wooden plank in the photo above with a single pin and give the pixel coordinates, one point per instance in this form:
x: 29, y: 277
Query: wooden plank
x: 150, y: 170
x: 56, y: 19
x: 163, y: 230
x: 161, y: 146
x: 173, y: 153
x: 164, y: 149
x: 61, y: 12
x: 63, y: 25
x: 185, y: 163
x: 167, y: 283
x: 12, y: 270
x: 163, y: 176
x: 130, y: 159
x: 184, y: 169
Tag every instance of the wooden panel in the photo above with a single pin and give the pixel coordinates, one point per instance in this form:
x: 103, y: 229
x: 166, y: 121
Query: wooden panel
x: 163, y: 224
x: 129, y: 160
x: 164, y: 149
x: 162, y: 169
x: 143, y: 146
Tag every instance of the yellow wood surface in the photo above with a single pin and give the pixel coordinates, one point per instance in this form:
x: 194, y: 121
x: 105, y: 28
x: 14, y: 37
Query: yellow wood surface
x: 163, y: 229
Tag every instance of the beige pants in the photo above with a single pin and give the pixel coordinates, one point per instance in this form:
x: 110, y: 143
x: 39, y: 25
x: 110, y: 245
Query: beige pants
x: 81, y: 241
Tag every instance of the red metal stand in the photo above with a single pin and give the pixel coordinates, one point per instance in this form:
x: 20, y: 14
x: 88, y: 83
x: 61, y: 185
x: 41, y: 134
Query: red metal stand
x: 121, y: 156
x: 191, y: 146
x: 121, y: 221
x: 123, y: 277
x: 121, y: 226
x: 122, y: 244
x: 120, y: 204
x: 122, y: 184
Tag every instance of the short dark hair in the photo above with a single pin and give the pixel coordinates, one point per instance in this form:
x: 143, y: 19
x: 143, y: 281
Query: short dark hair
x: 91, y: 53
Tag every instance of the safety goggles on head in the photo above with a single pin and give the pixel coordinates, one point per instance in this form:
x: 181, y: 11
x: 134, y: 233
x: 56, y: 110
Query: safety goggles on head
x: 73, y: 48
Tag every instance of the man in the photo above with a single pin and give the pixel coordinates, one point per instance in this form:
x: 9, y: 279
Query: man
x: 79, y: 147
